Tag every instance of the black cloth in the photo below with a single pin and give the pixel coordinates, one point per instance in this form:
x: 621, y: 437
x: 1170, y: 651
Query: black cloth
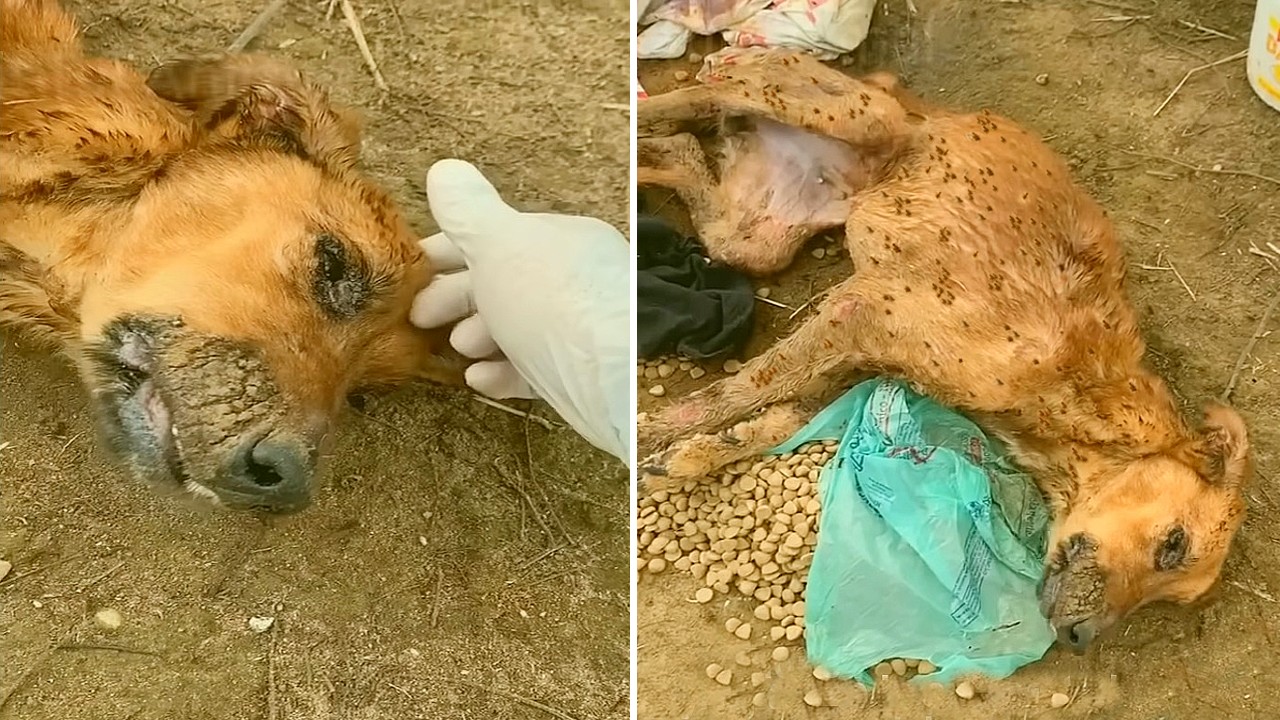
x: 684, y: 303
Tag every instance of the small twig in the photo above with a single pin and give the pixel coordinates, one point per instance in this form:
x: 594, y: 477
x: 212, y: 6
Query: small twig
x: 20, y: 102
x: 530, y: 563
x: 1258, y: 333
x: 616, y: 106
x: 1253, y: 591
x: 353, y: 22
x: 1115, y: 6
x: 107, y: 648
x: 400, y: 690
x: 39, y: 569
x: 328, y: 12
x: 256, y: 27
x: 1169, y: 267
x: 1206, y: 30
x: 518, y: 413
x: 774, y: 303
x: 435, y: 598
x: 553, y: 712
x: 1121, y: 18
x: 1200, y: 168
x: 100, y: 577
x: 1176, y: 274
x: 533, y: 507
x: 1193, y: 71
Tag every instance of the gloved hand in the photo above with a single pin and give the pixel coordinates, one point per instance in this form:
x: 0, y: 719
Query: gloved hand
x: 543, y: 302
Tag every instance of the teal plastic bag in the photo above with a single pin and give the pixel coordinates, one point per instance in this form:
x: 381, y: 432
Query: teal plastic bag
x: 930, y: 542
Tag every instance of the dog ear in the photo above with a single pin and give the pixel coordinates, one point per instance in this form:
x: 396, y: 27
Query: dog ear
x: 256, y: 100
x: 1220, y: 451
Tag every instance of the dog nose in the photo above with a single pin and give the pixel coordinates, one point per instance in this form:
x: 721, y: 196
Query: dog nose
x: 270, y: 464
x: 1076, y: 634
x: 273, y: 473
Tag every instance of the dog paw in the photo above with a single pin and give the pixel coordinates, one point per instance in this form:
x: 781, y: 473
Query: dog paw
x: 652, y: 472
x: 728, y: 438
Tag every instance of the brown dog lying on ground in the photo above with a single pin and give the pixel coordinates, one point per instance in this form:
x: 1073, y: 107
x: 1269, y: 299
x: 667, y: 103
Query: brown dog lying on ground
x: 982, y: 275
x: 201, y: 245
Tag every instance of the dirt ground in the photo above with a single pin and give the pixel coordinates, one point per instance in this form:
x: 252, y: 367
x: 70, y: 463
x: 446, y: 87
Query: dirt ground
x: 461, y: 563
x: 1107, y: 66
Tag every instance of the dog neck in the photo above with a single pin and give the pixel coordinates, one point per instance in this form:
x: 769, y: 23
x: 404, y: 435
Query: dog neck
x: 1074, y: 443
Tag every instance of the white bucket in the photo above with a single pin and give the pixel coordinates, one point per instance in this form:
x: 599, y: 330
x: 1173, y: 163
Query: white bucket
x: 1264, y: 53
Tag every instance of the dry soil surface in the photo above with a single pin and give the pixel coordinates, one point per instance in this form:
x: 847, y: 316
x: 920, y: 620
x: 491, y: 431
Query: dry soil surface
x: 1104, y: 68
x: 461, y: 563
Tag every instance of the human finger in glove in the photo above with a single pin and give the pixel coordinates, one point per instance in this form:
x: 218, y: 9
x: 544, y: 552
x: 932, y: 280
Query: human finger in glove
x: 542, y: 303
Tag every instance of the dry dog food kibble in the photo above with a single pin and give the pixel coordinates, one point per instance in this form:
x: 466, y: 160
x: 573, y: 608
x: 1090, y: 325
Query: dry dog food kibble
x: 751, y: 532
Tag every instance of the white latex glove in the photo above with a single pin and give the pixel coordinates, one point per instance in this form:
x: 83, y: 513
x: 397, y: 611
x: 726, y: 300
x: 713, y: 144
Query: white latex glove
x: 544, y: 302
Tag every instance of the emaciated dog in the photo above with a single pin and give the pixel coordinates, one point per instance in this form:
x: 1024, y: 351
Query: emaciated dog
x: 983, y: 275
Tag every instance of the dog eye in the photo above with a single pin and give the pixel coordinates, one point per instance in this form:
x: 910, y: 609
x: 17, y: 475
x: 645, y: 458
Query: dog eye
x: 1173, y: 550
x: 340, y: 284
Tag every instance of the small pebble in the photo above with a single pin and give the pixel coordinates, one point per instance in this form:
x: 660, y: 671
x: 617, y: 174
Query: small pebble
x: 926, y: 668
x: 822, y: 673
x: 37, y: 604
x: 899, y: 666
x: 681, y: 75
x: 697, y: 372
x: 261, y: 624
x: 657, y: 391
x: 5, y: 567
x: 704, y: 595
x: 1059, y: 700
x: 725, y: 677
x: 743, y: 632
x: 965, y: 690
x: 813, y: 699
x: 1042, y: 79
x: 780, y: 653
x: 713, y: 670
x: 732, y: 366
x: 819, y: 253
x: 108, y: 619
